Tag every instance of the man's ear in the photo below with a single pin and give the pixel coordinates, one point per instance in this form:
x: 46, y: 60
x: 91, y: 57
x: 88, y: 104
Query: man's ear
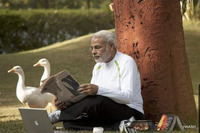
x: 112, y: 45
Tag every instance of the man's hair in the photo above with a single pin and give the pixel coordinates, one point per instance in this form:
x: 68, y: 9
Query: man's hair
x: 107, y: 36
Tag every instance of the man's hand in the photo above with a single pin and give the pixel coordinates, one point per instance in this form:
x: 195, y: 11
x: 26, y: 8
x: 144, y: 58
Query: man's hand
x: 89, y: 89
x: 60, y: 104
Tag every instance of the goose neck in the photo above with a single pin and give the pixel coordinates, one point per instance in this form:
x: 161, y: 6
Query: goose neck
x: 21, y: 81
x: 46, y: 73
x: 47, y: 70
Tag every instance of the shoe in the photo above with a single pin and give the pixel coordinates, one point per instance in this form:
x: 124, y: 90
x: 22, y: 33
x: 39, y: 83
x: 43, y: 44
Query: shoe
x: 124, y: 124
x: 54, y: 116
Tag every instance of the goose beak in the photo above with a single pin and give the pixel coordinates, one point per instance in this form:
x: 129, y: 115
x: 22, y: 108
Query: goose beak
x: 11, y: 71
x: 37, y: 64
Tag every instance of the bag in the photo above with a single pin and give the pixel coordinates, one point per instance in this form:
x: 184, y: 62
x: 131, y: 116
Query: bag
x: 64, y: 87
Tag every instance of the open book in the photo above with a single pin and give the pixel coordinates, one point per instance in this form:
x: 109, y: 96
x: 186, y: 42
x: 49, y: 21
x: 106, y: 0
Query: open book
x: 132, y: 126
x: 140, y: 125
x: 168, y: 122
x: 63, y: 86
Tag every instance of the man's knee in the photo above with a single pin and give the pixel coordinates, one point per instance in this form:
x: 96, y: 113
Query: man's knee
x: 96, y: 99
x: 95, y: 104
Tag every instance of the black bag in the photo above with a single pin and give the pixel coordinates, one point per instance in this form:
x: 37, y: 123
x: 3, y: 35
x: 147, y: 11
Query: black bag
x: 64, y: 87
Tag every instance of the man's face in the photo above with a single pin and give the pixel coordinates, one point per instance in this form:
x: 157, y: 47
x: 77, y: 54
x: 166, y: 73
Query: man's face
x: 100, y: 51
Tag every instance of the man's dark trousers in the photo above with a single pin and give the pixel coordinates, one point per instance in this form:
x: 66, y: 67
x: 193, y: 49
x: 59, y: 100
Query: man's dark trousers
x: 97, y: 111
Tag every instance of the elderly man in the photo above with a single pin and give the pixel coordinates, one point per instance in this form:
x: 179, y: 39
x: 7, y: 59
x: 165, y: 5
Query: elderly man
x: 114, y: 93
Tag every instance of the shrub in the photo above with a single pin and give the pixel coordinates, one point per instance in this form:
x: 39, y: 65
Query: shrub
x: 28, y: 29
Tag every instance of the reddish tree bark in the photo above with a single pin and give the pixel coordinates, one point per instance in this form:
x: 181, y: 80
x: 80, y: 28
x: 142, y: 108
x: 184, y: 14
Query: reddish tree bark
x: 151, y: 32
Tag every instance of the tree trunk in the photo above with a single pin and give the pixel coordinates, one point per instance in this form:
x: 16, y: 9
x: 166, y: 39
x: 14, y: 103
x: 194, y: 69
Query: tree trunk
x: 151, y: 32
x: 88, y: 4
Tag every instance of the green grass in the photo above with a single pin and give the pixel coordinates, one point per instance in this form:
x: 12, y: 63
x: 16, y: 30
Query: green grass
x: 75, y: 56
x: 192, y: 40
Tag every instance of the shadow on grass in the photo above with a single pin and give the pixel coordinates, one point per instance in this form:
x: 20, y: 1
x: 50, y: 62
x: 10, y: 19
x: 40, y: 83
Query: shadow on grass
x: 1, y: 117
x: 12, y: 127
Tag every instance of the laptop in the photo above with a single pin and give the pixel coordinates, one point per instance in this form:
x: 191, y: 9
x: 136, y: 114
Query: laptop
x: 36, y: 120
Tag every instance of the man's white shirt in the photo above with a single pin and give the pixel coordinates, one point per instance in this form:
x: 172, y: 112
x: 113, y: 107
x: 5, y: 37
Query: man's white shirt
x: 119, y: 80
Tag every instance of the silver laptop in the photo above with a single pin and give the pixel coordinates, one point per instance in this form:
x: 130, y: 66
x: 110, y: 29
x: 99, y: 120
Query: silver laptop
x: 37, y: 121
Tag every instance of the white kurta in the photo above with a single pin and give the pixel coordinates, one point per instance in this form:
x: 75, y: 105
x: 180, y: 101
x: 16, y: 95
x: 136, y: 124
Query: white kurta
x: 119, y: 80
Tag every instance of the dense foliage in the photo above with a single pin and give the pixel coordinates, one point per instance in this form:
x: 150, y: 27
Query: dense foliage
x: 55, y: 4
x: 24, y: 29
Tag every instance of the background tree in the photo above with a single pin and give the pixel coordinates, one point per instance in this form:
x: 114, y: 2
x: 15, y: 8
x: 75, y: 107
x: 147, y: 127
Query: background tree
x: 151, y: 32
x: 88, y: 4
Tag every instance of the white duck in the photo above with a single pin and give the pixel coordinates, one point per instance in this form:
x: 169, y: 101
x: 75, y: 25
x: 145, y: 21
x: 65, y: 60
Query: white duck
x: 47, y: 70
x: 44, y: 63
x: 30, y: 96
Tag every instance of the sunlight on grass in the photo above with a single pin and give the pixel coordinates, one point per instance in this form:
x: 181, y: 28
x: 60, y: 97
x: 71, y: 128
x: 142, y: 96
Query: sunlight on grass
x: 191, y: 25
x: 9, y: 113
x: 192, y: 41
x: 196, y: 101
x: 58, y: 44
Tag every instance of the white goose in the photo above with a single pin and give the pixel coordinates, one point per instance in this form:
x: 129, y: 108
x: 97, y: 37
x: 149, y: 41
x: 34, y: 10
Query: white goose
x: 44, y: 63
x: 47, y: 70
x: 30, y: 96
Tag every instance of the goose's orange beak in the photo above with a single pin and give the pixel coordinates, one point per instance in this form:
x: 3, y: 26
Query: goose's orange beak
x: 37, y: 64
x: 11, y: 71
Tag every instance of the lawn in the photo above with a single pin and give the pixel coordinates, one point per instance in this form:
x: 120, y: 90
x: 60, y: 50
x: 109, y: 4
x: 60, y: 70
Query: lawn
x: 75, y: 56
x: 192, y: 40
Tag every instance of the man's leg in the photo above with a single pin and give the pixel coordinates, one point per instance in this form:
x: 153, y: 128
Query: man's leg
x: 98, y: 108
